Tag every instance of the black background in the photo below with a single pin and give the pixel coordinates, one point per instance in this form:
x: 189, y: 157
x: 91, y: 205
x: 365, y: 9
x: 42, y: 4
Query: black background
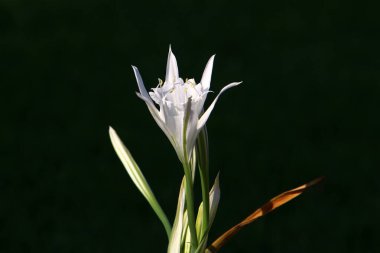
x: 309, y: 106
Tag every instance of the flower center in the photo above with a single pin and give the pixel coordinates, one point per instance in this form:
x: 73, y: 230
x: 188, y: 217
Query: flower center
x: 178, y: 92
x: 181, y: 92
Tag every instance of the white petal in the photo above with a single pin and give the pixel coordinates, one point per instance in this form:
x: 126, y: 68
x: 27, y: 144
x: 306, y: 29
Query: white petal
x: 192, y: 133
x: 140, y: 84
x: 171, y: 68
x: 175, y: 238
x: 206, y: 77
x: 158, y: 117
x: 206, y: 114
x: 153, y: 110
x: 174, y: 120
x: 190, y: 123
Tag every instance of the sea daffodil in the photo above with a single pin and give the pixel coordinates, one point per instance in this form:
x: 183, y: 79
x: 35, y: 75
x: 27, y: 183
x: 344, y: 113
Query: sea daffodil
x: 180, y: 105
x: 181, y: 116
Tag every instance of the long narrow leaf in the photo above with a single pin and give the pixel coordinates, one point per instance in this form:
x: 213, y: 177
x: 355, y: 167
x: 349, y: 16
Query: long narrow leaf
x: 138, y: 178
x: 266, y: 208
x: 214, y: 197
x: 175, y: 237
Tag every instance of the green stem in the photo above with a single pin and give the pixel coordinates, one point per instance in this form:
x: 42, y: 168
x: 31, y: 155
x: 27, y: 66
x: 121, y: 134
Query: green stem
x: 189, y: 181
x: 190, y: 204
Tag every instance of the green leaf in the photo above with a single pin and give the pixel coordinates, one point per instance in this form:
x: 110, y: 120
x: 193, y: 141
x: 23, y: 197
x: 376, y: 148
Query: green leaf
x: 202, y: 233
x: 203, y: 165
x: 138, y: 178
x: 176, y: 235
x: 214, y: 199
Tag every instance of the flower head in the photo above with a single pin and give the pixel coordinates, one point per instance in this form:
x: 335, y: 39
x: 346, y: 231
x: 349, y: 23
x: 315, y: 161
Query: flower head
x: 180, y: 114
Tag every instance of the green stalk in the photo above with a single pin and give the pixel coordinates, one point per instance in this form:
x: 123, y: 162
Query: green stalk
x: 203, y: 165
x: 190, y: 205
x: 189, y: 182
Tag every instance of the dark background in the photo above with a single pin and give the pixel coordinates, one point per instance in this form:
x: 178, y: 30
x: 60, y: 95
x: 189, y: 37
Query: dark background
x: 309, y: 106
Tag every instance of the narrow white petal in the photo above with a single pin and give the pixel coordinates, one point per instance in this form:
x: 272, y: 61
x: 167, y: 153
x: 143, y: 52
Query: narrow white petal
x: 146, y: 97
x: 206, y: 114
x: 174, y: 125
x: 175, y: 238
x: 140, y: 84
x: 158, y: 117
x: 206, y: 77
x: 192, y: 133
x: 171, y: 68
x: 152, y: 108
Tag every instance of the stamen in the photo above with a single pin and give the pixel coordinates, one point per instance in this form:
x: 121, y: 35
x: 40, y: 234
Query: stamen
x: 160, y: 82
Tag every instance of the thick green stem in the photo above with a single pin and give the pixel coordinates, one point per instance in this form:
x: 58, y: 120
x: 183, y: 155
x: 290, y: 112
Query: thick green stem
x: 189, y: 181
x: 190, y: 205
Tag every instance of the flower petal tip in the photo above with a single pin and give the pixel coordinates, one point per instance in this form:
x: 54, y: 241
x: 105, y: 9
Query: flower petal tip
x: 111, y: 130
x: 170, y: 50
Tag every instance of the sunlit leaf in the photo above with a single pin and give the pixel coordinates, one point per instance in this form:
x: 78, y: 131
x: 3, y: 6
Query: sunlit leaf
x: 175, y: 237
x: 138, y: 178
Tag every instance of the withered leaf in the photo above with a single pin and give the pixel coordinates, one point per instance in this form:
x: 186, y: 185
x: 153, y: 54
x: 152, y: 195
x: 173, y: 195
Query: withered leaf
x: 266, y: 208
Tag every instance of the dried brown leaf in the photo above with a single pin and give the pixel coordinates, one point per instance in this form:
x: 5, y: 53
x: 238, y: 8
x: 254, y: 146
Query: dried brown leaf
x: 266, y: 208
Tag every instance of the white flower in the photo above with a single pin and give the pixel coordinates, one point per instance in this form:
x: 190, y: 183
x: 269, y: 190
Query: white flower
x: 180, y: 105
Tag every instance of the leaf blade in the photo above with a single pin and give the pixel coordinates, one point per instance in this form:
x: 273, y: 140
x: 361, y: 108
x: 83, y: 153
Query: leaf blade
x: 138, y: 178
x: 175, y: 237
